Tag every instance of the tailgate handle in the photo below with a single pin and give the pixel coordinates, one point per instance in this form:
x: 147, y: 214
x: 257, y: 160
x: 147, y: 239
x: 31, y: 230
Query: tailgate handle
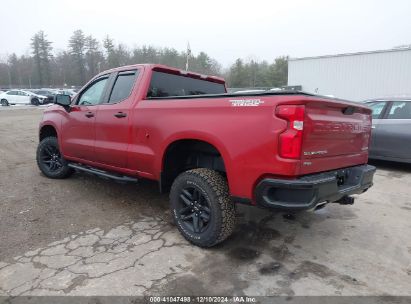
x: 348, y: 110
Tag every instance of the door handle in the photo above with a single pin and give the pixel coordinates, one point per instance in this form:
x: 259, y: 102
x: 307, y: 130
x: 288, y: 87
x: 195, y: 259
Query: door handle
x: 89, y: 114
x: 120, y: 115
x: 372, y: 127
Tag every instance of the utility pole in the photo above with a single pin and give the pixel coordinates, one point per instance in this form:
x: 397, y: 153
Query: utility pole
x: 188, y: 54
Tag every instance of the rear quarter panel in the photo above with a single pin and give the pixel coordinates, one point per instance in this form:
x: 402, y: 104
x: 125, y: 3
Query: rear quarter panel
x: 245, y: 136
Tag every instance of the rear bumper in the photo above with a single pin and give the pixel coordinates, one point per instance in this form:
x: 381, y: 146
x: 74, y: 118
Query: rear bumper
x: 310, y: 191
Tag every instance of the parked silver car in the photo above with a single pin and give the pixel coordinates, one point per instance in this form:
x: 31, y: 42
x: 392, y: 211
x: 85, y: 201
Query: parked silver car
x: 391, y: 129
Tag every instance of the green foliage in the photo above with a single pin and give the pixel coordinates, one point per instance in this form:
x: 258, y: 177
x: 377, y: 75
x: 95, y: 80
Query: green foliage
x: 86, y: 57
x: 77, y: 49
x: 258, y: 74
x: 41, y: 50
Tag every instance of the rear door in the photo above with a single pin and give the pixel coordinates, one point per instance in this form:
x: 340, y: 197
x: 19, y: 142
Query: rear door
x: 112, y: 120
x: 24, y: 98
x: 394, y: 131
x: 378, y: 110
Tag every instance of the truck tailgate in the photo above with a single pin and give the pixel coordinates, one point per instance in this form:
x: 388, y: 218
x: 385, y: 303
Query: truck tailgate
x: 336, y: 131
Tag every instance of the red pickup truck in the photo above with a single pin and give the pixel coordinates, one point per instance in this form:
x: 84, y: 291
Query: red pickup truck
x: 210, y: 149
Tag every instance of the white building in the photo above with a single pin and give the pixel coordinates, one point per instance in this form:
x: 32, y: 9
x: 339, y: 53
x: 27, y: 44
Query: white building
x: 355, y: 76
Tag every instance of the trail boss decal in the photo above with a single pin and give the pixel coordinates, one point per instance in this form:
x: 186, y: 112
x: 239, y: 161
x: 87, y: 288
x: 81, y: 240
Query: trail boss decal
x: 246, y: 102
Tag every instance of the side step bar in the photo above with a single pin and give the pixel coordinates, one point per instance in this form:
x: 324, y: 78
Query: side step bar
x: 103, y: 174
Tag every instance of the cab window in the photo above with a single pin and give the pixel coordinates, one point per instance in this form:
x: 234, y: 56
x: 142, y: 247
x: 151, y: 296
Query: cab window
x: 94, y: 93
x: 122, y: 86
x: 166, y: 85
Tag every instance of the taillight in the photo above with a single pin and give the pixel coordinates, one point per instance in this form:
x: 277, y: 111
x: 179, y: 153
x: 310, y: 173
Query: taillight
x: 290, y: 141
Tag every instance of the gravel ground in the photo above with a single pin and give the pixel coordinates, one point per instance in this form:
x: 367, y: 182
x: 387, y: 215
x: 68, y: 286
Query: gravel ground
x: 88, y: 236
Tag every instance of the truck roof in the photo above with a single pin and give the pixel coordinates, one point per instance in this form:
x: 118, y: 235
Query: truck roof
x: 216, y: 79
x: 167, y: 69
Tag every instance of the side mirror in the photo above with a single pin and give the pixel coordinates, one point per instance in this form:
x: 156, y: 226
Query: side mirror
x: 63, y: 100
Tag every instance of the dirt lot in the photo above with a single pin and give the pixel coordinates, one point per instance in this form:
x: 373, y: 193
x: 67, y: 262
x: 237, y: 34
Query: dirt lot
x: 88, y: 236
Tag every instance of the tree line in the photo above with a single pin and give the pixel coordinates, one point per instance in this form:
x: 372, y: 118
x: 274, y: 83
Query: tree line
x: 85, y: 56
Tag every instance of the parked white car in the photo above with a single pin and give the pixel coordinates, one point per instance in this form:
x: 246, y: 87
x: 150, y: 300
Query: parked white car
x: 69, y: 92
x: 21, y: 97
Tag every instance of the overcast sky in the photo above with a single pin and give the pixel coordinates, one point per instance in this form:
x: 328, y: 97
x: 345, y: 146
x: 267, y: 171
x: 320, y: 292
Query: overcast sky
x: 225, y: 30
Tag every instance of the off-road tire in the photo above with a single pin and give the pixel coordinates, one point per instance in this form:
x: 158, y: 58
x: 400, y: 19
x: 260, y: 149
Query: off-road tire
x: 59, y: 173
x: 213, y: 186
x: 4, y: 103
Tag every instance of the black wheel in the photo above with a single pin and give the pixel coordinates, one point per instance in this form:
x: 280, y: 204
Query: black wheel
x: 50, y: 161
x: 4, y: 103
x: 201, y: 207
x: 35, y: 102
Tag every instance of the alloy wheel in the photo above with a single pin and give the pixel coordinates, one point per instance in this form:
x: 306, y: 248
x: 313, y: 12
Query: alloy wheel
x: 51, y: 157
x: 194, y: 210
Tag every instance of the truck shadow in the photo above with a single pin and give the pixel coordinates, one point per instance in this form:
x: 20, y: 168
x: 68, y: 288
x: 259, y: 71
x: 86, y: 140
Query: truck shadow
x: 264, y: 243
x: 391, y: 166
x: 260, y: 228
x: 255, y: 227
x: 274, y: 246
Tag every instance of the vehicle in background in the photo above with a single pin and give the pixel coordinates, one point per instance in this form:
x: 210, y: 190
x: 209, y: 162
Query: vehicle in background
x: 50, y: 94
x: 391, y: 129
x: 21, y: 97
x: 69, y: 92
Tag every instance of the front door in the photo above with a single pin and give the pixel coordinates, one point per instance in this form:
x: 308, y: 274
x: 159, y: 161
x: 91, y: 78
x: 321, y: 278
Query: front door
x: 12, y: 97
x: 112, y: 120
x: 79, y: 129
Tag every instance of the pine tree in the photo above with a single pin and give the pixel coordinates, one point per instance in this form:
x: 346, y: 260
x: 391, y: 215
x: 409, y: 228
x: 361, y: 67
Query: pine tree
x: 41, y: 50
x: 46, y: 55
x: 111, y: 60
x: 94, y: 57
x: 35, y: 44
x: 77, y: 49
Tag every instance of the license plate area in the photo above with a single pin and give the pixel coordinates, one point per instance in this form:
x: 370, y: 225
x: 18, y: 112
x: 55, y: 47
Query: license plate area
x: 342, y: 177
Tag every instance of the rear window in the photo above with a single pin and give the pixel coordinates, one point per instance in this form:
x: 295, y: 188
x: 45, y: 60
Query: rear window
x: 400, y: 110
x: 164, y: 85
